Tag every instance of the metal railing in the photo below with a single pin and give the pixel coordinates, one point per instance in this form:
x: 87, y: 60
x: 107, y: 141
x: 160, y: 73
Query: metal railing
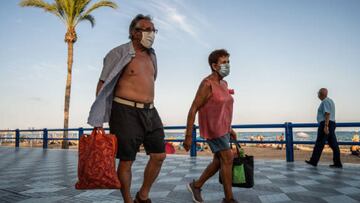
x: 287, y: 126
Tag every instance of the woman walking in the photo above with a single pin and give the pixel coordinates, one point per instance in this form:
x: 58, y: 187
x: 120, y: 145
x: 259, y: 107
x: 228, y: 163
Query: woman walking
x: 214, y: 103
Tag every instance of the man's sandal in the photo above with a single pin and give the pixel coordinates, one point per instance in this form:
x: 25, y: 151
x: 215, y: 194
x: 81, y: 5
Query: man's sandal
x: 138, y: 200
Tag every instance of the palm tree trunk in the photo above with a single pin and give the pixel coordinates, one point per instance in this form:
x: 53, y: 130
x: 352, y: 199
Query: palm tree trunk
x: 70, y: 39
x: 65, y: 143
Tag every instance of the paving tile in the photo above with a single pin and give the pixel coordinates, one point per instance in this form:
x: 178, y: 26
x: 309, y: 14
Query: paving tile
x: 91, y: 193
x: 292, y: 189
x: 339, y: 198
x: 44, y: 199
x: 302, y: 197
x: 307, y: 182
x: 274, y: 198
x: 348, y: 190
x: 169, y: 179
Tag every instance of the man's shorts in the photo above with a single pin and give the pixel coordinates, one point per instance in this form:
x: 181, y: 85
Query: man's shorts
x: 135, y: 126
x: 219, y: 144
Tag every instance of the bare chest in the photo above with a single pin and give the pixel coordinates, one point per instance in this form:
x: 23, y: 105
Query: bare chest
x: 140, y: 66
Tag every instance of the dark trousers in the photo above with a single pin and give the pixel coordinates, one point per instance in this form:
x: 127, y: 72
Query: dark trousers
x: 320, y: 143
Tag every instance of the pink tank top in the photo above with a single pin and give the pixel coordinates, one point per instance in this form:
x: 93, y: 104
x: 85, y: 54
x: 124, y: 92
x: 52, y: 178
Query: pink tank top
x: 216, y: 115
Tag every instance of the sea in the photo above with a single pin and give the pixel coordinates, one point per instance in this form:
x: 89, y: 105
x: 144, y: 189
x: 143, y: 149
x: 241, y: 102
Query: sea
x: 345, y: 136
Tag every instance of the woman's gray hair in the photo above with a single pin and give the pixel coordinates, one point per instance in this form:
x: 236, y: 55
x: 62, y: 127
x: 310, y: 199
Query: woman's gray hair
x: 135, y: 21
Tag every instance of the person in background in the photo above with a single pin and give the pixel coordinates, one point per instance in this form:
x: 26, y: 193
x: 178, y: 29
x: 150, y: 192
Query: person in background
x: 326, y: 130
x: 355, y: 149
x: 280, y: 138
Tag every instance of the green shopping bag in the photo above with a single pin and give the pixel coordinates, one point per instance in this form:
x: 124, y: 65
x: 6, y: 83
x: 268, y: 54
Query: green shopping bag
x: 243, y: 169
x: 239, y: 174
x: 238, y: 170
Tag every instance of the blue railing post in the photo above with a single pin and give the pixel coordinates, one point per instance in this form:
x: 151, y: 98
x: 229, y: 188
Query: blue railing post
x: 193, y: 145
x: 81, y: 132
x: 45, y: 138
x: 289, y: 142
x: 17, y: 138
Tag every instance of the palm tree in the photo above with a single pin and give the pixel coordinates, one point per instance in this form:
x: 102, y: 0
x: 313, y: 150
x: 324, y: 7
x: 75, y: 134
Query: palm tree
x: 70, y: 12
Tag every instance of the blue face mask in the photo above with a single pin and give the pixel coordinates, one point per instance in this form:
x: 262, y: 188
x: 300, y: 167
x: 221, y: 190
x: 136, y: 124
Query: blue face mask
x: 224, y: 70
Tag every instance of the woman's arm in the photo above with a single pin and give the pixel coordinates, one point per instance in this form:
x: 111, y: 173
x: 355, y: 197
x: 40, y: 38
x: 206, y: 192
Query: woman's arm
x: 233, y: 134
x: 202, y: 95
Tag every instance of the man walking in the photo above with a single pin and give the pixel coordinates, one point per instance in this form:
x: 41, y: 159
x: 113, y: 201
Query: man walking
x: 125, y: 95
x: 326, y: 131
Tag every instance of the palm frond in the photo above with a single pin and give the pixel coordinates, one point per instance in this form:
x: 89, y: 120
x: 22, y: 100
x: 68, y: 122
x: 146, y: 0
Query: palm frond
x: 80, y: 6
x: 51, y: 8
x: 89, y: 18
x: 36, y: 3
x: 71, y: 12
x: 102, y: 3
x: 66, y: 6
x: 69, y: 9
x: 60, y: 9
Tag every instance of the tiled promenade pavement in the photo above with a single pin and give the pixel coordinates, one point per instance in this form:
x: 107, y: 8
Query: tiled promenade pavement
x: 36, y: 175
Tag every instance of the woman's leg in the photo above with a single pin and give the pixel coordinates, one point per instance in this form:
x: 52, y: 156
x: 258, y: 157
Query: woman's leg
x: 210, y: 170
x: 226, y: 162
x: 195, y: 186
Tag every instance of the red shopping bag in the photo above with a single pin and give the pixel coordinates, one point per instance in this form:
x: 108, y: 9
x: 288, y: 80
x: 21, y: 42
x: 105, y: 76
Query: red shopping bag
x: 169, y: 148
x: 96, y: 164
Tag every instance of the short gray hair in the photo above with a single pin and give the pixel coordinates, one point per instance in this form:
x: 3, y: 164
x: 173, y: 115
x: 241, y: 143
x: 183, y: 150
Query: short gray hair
x: 135, y: 21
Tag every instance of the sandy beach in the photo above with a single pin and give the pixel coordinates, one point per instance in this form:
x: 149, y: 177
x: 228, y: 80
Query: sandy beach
x: 301, y: 152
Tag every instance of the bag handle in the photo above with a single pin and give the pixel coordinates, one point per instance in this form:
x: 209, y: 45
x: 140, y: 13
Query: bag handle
x: 238, y: 147
x: 97, y: 131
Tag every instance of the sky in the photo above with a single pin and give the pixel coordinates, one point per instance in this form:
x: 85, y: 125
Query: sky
x: 281, y: 53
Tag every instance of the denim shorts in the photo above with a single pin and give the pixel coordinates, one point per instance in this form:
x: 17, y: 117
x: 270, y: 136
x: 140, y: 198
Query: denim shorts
x: 219, y: 144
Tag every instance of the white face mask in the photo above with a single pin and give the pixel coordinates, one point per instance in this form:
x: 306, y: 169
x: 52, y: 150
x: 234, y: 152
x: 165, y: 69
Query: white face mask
x: 147, y: 39
x: 224, y: 70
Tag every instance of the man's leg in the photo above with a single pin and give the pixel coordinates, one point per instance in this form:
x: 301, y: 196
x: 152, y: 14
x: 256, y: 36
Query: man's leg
x: 154, y: 145
x: 124, y: 123
x: 151, y: 172
x: 226, y: 163
x: 124, y: 174
x: 210, y: 170
x: 319, y: 145
x: 334, y: 145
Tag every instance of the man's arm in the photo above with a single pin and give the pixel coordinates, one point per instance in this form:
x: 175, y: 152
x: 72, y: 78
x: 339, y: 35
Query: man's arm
x: 108, y: 64
x: 99, y: 86
x: 327, y: 120
x: 327, y: 110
